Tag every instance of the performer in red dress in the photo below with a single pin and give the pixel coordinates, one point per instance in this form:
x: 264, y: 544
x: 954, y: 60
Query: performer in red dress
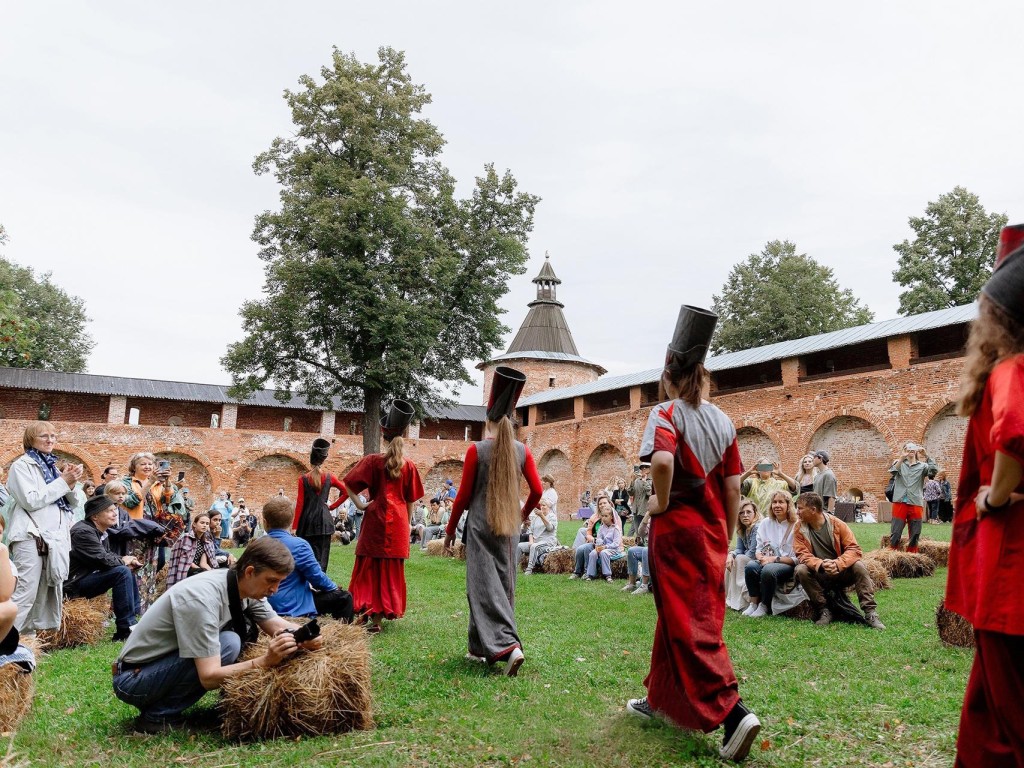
x: 489, y: 495
x: 313, y: 521
x: 696, y: 468
x: 986, y: 558
x: 392, y: 483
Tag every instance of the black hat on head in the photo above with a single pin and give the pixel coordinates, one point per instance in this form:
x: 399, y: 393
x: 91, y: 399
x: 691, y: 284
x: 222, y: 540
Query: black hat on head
x: 318, y: 453
x: 398, y: 417
x: 1006, y: 286
x: 97, y: 504
x: 692, y: 337
x: 506, y: 387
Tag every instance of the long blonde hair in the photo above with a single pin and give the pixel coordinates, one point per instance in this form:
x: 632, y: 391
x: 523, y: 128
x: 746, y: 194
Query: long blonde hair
x: 393, y: 457
x: 994, y: 337
x: 503, y: 481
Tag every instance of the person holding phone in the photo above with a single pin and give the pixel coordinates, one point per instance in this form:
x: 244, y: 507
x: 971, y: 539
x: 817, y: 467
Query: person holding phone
x: 152, y: 496
x: 911, y: 472
x: 762, y: 480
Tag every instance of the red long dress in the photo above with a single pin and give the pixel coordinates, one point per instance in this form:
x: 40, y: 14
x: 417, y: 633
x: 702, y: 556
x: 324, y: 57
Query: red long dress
x: 691, y: 679
x: 986, y: 560
x: 378, y: 576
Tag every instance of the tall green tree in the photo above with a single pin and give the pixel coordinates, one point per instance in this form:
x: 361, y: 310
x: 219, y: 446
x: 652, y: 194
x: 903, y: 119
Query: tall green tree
x: 379, y: 280
x: 41, y: 326
x: 951, y: 255
x: 778, y: 295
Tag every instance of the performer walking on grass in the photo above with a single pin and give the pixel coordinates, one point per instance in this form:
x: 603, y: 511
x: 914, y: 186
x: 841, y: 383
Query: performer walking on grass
x: 987, y: 554
x: 313, y: 522
x: 392, y: 484
x: 490, y: 494
x: 696, y: 467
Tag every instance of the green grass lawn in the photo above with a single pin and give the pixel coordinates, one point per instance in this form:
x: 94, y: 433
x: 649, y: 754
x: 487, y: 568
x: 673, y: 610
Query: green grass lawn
x: 835, y: 696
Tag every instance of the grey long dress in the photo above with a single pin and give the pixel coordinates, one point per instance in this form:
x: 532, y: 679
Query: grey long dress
x: 491, y: 564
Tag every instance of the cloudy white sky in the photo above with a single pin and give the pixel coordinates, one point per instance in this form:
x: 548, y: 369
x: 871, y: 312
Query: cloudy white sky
x: 668, y: 141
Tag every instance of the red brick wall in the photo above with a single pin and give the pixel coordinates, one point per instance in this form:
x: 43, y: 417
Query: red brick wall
x: 539, y: 373
x: 158, y: 413
x: 269, y: 419
x: 265, y: 476
x: 450, y: 430
x: 755, y: 444
x: 22, y: 404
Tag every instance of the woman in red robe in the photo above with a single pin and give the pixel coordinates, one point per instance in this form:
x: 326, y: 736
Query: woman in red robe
x: 392, y: 483
x: 986, y: 558
x: 696, y: 468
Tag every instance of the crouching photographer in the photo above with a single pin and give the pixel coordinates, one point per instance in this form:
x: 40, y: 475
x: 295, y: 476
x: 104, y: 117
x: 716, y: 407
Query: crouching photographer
x: 189, y: 640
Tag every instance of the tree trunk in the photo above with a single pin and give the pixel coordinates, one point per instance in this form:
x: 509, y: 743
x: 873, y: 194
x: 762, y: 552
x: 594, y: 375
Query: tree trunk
x: 371, y: 421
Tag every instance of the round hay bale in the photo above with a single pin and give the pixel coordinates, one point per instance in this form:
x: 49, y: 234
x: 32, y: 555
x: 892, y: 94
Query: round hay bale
x: 314, y: 693
x: 561, y: 560
x: 802, y: 610
x: 17, y: 687
x: 902, y: 565
x: 81, y: 623
x: 936, y: 550
x: 954, y: 629
x: 227, y: 543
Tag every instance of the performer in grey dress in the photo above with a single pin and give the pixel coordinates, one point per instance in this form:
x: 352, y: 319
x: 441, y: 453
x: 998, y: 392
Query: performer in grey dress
x: 489, y: 495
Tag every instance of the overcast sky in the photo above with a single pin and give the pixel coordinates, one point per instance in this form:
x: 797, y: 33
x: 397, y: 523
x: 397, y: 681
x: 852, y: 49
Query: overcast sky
x: 667, y: 140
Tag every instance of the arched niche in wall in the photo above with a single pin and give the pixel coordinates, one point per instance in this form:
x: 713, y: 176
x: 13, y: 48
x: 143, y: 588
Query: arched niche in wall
x: 944, y: 440
x: 604, y: 465
x: 858, y: 454
x: 555, y: 463
x: 754, y: 444
x: 266, y: 476
x: 446, y: 469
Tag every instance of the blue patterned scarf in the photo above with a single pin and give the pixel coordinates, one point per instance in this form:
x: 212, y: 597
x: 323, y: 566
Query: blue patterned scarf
x: 47, y: 463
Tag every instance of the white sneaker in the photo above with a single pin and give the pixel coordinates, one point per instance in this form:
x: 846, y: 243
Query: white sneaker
x: 750, y: 609
x: 515, y: 661
x: 629, y: 588
x: 642, y: 589
x: 759, y: 611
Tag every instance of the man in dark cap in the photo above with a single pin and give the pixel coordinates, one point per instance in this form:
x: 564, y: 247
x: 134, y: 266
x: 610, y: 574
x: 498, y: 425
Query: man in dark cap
x: 95, y: 570
x: 825, y: 480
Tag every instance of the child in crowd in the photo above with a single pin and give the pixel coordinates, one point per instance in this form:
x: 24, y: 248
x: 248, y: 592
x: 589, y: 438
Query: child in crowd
x: 607, y: 545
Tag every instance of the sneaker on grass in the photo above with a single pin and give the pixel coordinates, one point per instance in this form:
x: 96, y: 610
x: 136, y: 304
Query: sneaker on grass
x: 640, y: 708
x: 641, y: 589
x: 873, y: 621
x: 741, y: 728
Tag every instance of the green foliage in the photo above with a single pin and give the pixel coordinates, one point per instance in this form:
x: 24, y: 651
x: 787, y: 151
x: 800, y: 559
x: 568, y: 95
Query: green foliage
x: 833, y: 697
x: 778, y: 295
x: 379, y: 281
x: 951, y: 255
x: 41, y: 326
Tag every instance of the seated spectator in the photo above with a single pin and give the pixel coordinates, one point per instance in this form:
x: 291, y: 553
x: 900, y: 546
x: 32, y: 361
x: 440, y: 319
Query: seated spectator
x: 437, y: 520
x: 770, y: 575
x: 95, y: 570
x: 193, y: 552
x: 736, y: 595
x: 180, y: 649
x: 607, y: 546
x: 418, y: 524
x: 224, y: 558
x: 585, y: 538
x: 543, y: 535
x: 636, y: 559
x: 307, y: 590
x: 830, y: 558
x: 762, y: 480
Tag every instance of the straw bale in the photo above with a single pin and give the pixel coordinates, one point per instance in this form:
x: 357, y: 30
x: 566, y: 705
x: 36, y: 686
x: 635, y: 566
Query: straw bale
x: 559, y: 561
x: 802, y: 610
x: 314, y: 693
x: 435, y: 548
x: 902, y: 565
x: 81, y: 623
x: 954, y: 629
x: 227, y: 543
x: 628, y: 541
x: 879, y: 575
x: 619, y: 569
x: 936, y: 550
x: 17, y: 687
x: 160, y: 585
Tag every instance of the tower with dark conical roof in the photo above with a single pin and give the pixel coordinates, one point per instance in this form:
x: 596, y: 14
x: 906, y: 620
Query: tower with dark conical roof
x: 544, y: 348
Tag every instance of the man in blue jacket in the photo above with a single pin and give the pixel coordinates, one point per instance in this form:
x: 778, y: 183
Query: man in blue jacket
x: 307, y: 590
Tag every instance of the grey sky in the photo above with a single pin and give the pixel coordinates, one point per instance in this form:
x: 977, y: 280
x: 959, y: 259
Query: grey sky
x: 667, y: 140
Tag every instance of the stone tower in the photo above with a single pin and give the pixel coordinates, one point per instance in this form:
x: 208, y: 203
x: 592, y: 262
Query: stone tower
x: 544, y: 349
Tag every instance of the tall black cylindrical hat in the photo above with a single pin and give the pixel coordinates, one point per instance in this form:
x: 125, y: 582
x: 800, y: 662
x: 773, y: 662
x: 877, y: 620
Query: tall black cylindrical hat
x: 398, y: 417
x: 318, y: 453
x: 506, y: 387
x: 692, y: 337
x: 1006, y: 286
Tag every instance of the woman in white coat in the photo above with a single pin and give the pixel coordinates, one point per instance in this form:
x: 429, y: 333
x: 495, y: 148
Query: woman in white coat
x: 39, y: 528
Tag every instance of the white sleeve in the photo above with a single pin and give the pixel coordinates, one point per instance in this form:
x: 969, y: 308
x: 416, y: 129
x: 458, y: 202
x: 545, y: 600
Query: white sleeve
x: 26, y: 486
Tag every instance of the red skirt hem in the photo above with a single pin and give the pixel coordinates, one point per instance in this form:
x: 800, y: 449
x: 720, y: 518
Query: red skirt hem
x: 378, y: 586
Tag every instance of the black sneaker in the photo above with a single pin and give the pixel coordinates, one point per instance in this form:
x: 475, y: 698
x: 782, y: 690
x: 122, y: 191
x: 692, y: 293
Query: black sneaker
x: 640, y: 708
x: 154, y: 727
x: 741, y: 728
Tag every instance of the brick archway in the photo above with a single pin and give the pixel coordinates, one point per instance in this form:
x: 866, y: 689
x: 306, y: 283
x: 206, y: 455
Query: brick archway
x: 943, y: 438
x: 91, y: 467
x: 263, y: 477
x: 199, y: 480
x: 754, y: 443
x: 555, y: 463
x: 447, y: 469
x: 858, y: 449
x: 824, y: 418
x: 605, y: 463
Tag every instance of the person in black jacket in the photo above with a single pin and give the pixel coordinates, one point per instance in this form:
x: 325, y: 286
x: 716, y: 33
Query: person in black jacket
x: 95, y: 569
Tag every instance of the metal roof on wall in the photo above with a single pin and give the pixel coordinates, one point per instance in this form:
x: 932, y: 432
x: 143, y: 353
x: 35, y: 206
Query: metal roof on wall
x: 783, y: 349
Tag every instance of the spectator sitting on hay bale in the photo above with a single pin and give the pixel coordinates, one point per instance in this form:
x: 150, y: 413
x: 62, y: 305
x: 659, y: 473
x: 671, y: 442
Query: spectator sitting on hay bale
x: 543, y: 535
x: 95, y: 570
x: 178, y: 651
x: 295, y: 596
x: 830, y: 559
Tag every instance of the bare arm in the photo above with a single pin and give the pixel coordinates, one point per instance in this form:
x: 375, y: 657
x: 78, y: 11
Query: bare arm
x: 732, y: 504
x: 661, y: 472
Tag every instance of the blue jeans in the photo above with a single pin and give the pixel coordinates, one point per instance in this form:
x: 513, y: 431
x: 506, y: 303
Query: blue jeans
x: 762, y: 581
x: 357, y: 523
x: 635, y: 556
x: 120, y: 582
x: 582, y: 553
x: 162, y: 689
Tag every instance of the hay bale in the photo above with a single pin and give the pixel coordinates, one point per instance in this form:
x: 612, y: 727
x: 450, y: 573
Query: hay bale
x: 314, y: 693
x: 435, y: 548
x: 887, y: 541
x: 160, y: 583
x: 561, y: 560
x: 804, y: 611
x: 227, y: 543
x: 878, y: 574
x: 954, y: 629
x: 902, y: 565
x: 17, y: 687
x: 619, y: 569
x: 627, y: 542
x: 81, y: 623
x: 936, y: 550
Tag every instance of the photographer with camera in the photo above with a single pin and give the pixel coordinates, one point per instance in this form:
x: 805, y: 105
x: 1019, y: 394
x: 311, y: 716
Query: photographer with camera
x: 189, y: 640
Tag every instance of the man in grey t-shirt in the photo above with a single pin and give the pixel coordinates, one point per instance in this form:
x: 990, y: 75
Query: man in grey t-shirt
x: 186, y: 643
x: 825, y: 480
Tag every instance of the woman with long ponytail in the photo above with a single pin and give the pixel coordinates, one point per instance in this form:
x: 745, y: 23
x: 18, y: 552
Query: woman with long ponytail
x: 313, y: 521
x: 392, y: 484
x: 489, y: 496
